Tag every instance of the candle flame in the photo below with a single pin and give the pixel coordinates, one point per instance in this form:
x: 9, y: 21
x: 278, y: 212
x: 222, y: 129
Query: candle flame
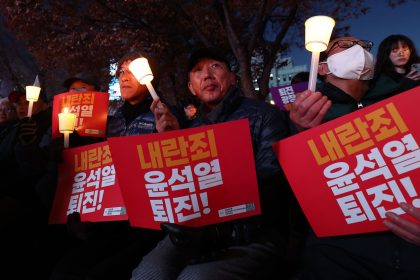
x: 66, y: 110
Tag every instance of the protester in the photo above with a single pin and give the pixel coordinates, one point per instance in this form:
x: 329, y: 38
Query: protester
x: 133, y: 116
x: 23, y: 150
x: 251, y: 248
x: 347, y: 66
x: 189, y: 106
x: 110, y: 250
x: 26, y: 138
x: 19, y: 99
x: 190, y: 111
x: 82, y: 81
x: 8, y: 114
x: 394, y: 72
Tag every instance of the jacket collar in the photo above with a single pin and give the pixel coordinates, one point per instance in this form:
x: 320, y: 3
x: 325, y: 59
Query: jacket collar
x: 335, y: 94
x: 228, y: 104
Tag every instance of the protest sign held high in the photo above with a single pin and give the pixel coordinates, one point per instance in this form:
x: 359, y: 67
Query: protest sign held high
x: 357, y: 167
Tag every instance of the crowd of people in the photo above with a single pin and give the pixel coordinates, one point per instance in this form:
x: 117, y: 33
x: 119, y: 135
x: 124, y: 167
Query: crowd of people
x: 277, y: 244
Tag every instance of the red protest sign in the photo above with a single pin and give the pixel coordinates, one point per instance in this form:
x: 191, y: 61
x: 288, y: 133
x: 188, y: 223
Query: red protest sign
x: 347, y: 173
x: 90, y: 108
x: 87, y: 184
x: 195, y: 177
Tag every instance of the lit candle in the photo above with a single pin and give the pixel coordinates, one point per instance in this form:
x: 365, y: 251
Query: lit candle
x: 32, y: 95
x: 66, y: 124
x: 141, y: 70
x: 318, y: 31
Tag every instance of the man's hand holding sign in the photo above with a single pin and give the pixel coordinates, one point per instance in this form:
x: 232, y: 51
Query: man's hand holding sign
x: 368, y: 170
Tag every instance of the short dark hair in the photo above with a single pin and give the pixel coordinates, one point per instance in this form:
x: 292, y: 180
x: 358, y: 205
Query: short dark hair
x: 212, y: 53
x: 85, y: 77
x: 133, y: 55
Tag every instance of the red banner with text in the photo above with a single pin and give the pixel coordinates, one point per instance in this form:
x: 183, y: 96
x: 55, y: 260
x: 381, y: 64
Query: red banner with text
x: 347, y: 173
x: 194, y: 177
x: 90, y: 108
x: 87, y: 184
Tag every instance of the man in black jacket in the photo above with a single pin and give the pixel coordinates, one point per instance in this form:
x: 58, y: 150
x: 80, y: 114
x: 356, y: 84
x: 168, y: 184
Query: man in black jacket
x: 247, y: 248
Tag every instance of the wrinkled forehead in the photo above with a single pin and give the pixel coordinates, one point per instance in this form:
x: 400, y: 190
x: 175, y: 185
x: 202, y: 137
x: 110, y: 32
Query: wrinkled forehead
x: 125, y: 64
x: 207, y: 60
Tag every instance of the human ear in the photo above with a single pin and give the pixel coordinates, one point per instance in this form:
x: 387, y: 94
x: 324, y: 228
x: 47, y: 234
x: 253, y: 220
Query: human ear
x: 323, y: 69
x: 190, y: 87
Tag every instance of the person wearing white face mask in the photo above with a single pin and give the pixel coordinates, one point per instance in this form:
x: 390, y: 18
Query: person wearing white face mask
x: 354, y: 63
x: 346, y: 68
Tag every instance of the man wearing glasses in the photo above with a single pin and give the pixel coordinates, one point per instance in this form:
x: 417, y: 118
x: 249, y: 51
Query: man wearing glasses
x: 346, y: 68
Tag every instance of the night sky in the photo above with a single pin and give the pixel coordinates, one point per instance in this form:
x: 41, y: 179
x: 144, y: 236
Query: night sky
x: 380, y: 22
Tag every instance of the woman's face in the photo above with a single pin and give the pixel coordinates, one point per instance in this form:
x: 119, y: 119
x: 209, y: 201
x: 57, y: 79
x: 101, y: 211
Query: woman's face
x: 400, y: 55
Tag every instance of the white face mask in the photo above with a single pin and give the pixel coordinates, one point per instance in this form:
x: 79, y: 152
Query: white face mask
x: 355, y: 63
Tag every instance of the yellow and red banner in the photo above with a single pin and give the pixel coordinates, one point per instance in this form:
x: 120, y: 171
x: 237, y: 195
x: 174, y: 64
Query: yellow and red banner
x: 194, y: 177
x: 87, y: 184
x: 90, y: 108
x: 347, y: 173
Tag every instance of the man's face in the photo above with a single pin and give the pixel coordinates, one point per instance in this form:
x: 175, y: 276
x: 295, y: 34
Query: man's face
x: 190, y: 110
x: 131, y: 90
x: 339, y: 45
x: 210, y: 80
x: 81, y: 86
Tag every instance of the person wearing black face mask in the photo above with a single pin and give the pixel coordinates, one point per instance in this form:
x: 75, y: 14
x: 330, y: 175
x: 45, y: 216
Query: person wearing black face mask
x: 346, y: 69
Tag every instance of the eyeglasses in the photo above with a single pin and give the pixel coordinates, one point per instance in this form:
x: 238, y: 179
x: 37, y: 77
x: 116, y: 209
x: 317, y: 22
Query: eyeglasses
x: 213, y: 68
x: 345, y: 44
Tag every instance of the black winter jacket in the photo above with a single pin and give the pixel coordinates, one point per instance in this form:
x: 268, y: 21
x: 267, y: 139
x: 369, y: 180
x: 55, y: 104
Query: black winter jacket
x: 268, y: 124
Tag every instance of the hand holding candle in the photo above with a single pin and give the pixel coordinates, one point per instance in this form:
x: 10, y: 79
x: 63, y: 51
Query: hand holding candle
x: 141, y: 70
x: 66, y: 124
x: 318, y: 31
x: 32, y: 95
